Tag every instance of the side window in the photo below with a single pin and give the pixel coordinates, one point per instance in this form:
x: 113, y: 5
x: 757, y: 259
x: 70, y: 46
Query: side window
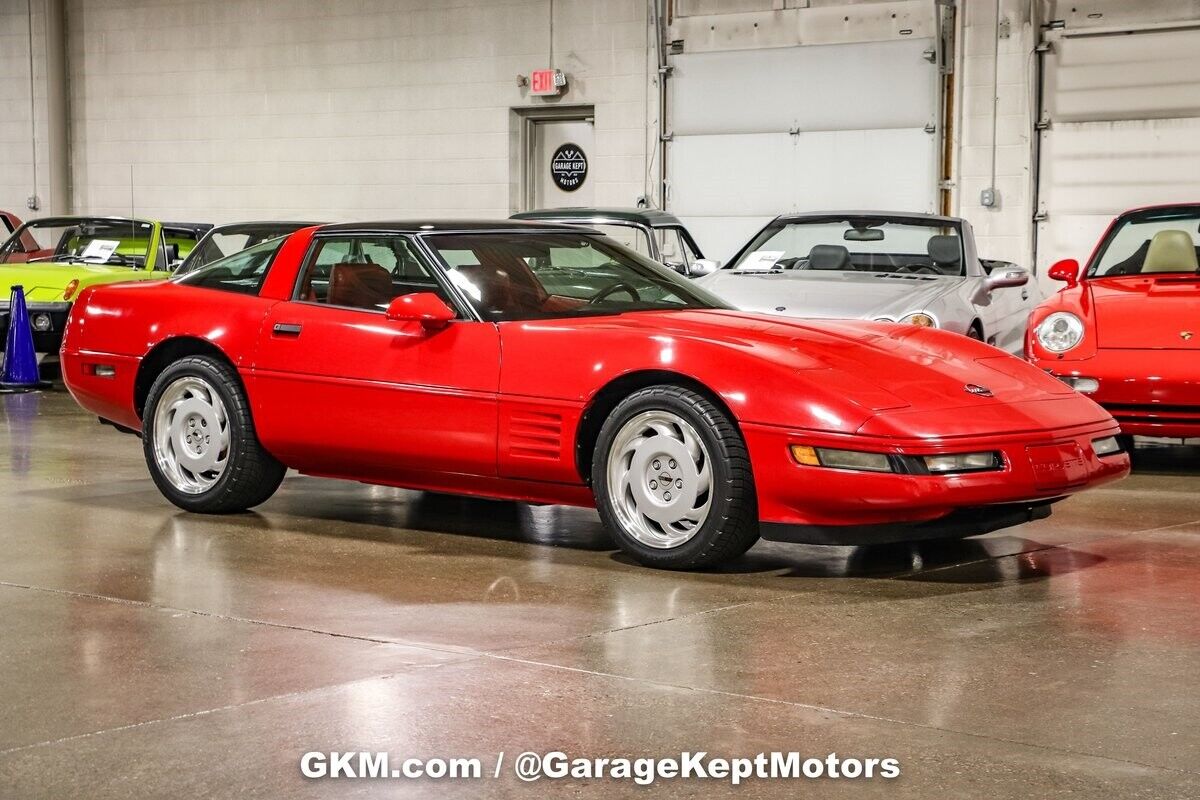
x: 366, y: 272
x: 243, y: 272
x: 673, y: 247
x: 689, y: 254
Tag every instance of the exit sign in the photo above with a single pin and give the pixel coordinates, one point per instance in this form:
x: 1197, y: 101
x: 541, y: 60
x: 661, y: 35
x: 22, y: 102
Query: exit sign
x: 546, y: 82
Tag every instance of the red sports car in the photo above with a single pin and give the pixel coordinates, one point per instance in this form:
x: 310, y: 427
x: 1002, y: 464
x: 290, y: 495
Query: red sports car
x: 1126, y: 330
x: 549, y: 364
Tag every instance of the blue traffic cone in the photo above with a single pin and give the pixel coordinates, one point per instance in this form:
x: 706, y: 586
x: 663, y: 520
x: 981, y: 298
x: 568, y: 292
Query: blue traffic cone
x: 20, y: 372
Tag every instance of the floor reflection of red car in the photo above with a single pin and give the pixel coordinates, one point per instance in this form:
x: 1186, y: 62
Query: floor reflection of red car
x: 550, y: 364
x: 1126, y: 329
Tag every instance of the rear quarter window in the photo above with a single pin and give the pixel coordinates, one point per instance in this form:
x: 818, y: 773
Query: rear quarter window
x: 242, y: 272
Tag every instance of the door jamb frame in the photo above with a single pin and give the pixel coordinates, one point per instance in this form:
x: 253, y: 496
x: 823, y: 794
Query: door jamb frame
x: 521, y: 144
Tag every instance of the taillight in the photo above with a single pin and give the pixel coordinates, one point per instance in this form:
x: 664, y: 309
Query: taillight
x: 70, y: 290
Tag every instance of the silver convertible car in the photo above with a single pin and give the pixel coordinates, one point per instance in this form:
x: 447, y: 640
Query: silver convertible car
x: 915, y: 268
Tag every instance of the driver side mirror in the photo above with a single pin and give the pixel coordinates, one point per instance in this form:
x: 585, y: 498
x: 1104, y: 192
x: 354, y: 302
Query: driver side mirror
x: 423, y: 307
x: 702, y: 266
x: 1066, y: 270
x: 1004, y: 276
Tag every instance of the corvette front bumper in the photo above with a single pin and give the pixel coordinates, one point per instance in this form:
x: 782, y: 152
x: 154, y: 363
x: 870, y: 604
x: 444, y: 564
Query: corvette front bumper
x: 838, y: 506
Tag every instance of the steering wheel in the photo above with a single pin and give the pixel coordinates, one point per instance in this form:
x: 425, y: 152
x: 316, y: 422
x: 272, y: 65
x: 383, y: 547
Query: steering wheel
x: 917, y: 269
x: 613, y: 288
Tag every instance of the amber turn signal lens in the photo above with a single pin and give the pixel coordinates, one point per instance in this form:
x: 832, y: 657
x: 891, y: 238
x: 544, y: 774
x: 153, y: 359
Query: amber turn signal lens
x: 70, y: 290
x: 805, y: 455
x: 841, y: 459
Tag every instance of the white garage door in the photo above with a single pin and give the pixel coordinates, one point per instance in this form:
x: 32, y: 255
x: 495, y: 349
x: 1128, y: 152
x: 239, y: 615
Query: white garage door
x: 758, y: 133
x: 1124, y: 112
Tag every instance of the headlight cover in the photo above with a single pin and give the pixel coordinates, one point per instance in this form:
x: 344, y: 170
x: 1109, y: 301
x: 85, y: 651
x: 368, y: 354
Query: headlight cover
x: 920, y: 319
x: 1108, y: 446
x: 1059, y: 332
x: 954, y: 463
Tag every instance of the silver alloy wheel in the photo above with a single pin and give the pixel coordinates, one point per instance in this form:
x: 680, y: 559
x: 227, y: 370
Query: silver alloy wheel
x: 191, y: 435
x: 659, y: 479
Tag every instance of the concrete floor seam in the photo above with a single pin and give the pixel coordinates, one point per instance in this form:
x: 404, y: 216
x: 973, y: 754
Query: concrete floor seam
x: 841, y: 713
x: 499, y: 655
x: 467, y: 654
x: 205, y: 712
x: 595, y: 674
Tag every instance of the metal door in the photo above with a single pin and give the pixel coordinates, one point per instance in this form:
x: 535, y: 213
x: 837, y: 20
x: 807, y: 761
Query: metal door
x: 562, y: 163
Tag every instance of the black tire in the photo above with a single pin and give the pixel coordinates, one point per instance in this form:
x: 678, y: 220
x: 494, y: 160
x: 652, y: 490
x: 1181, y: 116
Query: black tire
x: 251, y: 475
x: 731, y: 526
x: 974, y: 332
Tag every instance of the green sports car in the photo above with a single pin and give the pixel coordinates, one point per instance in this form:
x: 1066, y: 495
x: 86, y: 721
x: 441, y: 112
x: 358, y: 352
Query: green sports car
x: 53, y: 258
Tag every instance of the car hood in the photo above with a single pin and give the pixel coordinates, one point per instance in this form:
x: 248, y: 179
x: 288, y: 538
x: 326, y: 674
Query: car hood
x: 1160, y: 312
x: 829, y: 294
x: 44, y: 282
x: 879, y: 366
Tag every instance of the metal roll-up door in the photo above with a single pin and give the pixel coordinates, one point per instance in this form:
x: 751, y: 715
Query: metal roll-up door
x: 757, y: 133
x: 1121, y: 129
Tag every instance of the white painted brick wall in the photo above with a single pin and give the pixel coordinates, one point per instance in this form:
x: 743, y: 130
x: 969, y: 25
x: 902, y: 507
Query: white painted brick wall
x: 339, y: 109
x: 1006, y: 231
x: 16, y: 133
x: 240, y: 109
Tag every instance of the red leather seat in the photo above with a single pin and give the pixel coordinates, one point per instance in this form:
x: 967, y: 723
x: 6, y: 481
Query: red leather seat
x: 359, y: 286
x: 496, y: 291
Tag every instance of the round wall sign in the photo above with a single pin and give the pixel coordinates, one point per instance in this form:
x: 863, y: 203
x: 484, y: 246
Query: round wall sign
x: 568, y: 167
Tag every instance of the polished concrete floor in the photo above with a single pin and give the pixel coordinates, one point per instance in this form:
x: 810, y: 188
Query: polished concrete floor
x: 145, y: 652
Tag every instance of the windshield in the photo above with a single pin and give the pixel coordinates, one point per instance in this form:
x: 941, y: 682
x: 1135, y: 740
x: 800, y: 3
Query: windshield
x: 223, y: 242
x: 91, y: 241
x: 858, y: 244
x: 510, y: 276
x: 242, y: 272
x: 1157, y: 241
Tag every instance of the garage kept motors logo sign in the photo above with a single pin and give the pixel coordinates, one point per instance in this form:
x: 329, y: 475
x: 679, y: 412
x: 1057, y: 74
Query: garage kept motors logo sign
x: 568, y: 167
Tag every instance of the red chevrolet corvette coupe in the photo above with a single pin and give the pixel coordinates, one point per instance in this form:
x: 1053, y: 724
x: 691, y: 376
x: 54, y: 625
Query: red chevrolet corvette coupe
x: 549, y: 364
x: 1127, y: 330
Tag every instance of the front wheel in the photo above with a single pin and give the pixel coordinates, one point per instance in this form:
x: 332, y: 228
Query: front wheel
x: 200, y: 443
x: 672, y: 480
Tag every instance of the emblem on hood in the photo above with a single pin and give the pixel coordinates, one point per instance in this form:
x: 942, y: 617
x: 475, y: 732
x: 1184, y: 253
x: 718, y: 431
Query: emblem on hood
x: 1186, y: 335
x: 982, y: 391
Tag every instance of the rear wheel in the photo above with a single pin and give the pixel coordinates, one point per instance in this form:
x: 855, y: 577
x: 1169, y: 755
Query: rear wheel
x: 200, y: 443
x: 673, y: 482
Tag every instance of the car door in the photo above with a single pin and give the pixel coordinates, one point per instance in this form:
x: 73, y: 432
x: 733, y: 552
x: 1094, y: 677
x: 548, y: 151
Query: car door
x: 346, y: 392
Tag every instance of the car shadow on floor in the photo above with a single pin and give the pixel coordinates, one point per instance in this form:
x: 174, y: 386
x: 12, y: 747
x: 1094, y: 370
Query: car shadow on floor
x: 963, y: 561
x: 395, y: 509
x: 991, y: 560
x: 317, y: 507
x: 334, y: 509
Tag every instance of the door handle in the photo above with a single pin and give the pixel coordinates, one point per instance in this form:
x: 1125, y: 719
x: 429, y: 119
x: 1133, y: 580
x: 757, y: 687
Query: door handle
x: 287, y: 329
